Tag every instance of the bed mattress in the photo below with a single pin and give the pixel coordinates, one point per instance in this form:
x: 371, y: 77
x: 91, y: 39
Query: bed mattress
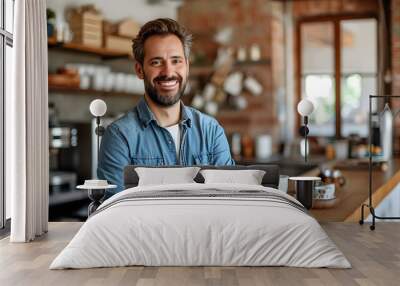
x: 201, y: 225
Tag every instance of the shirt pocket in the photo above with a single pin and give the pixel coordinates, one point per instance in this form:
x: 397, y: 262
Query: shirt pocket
x: 203, y: 159
x: 148, y: 161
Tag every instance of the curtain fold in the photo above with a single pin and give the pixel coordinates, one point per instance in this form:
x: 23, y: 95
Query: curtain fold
x: 27, y: 124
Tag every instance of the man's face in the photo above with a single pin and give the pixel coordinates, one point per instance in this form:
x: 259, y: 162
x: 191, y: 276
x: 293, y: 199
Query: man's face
x: 165, y: 69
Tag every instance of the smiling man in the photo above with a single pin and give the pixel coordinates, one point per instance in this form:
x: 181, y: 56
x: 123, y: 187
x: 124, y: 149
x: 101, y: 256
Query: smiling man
x: 160, y: 129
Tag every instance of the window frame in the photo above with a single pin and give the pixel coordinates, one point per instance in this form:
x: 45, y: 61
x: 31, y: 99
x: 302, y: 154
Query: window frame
x: 335, y: 19
x: 6, y: 39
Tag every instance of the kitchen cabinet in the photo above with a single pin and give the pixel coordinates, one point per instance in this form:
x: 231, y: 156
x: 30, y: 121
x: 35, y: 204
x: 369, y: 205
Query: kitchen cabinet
x: 71, y: 107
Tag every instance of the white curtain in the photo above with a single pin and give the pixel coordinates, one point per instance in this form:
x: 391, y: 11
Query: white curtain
x: 27, y: 124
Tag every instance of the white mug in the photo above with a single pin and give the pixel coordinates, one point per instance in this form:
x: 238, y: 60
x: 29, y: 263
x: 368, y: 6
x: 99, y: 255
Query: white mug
x: 283, y: 183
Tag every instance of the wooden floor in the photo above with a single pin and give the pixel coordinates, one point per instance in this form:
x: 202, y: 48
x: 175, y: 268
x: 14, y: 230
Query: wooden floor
x: 374, y: 255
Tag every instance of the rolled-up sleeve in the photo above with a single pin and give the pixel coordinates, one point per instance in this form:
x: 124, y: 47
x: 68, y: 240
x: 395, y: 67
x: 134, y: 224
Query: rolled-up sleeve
x: 113, y: 157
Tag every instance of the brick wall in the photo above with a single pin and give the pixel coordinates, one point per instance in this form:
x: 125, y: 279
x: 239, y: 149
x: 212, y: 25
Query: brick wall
x: 395, y: 10
x: 396, y: 46
x: 259, y: 21
x: 308, y: 8
x: 251, y: 21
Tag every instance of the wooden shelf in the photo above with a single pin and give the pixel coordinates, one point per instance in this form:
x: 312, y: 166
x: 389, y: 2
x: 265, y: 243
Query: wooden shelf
x: 89, y: 91
x: 101, y: 52
x: 206, y: 70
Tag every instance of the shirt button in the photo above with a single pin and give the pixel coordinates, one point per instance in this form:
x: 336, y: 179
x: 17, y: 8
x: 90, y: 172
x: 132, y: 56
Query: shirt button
x: 170, y: 142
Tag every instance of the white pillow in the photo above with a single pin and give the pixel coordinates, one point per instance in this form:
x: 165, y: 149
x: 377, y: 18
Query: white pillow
x: 166, y: 176
x: 248, y: 177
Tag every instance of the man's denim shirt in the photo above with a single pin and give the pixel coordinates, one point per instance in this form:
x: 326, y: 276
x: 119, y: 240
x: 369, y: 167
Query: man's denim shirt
x: 137, y: 139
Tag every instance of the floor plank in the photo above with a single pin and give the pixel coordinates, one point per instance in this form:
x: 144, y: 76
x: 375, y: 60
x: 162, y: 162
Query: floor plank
x: 375, y: 257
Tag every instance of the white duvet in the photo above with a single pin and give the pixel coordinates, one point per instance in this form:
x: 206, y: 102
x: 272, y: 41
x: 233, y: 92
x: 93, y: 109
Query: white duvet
x: 207, y: 230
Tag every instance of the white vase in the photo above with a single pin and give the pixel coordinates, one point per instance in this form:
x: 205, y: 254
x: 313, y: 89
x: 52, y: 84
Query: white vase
x: 386, y: 127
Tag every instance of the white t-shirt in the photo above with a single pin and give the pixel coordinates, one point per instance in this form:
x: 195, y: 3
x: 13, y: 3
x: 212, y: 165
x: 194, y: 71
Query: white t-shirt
x: 175, y: 132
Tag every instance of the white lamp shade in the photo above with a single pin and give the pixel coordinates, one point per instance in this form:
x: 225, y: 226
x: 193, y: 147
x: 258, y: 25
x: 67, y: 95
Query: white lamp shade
x: 98, y: 107
x: 305, y: 107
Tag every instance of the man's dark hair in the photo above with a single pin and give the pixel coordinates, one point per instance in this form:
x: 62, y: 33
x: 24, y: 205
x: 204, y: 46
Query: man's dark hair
x: 161, y: 26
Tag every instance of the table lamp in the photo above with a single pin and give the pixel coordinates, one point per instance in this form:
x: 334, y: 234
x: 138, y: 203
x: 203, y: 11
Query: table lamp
x: 98, y: 108
x: 305, y: 108
x: 96, y: 188
x: 304, y: 186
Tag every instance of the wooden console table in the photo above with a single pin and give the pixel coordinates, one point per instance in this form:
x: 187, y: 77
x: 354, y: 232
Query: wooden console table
x: 355, y: 192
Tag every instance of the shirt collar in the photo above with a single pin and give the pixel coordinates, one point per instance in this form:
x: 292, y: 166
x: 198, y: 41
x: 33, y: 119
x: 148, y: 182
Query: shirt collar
x: 146, y: 115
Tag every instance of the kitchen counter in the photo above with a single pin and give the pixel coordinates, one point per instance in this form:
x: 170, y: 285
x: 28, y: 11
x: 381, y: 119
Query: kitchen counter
x: 287, y: 166
x: 355, y: 192
x: 351, y: 196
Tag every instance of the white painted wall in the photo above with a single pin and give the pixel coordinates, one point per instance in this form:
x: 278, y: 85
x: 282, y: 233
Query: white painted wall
x: 115, y: 10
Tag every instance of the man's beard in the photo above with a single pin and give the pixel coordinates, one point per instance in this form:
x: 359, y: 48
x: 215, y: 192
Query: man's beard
x: 165, y: 100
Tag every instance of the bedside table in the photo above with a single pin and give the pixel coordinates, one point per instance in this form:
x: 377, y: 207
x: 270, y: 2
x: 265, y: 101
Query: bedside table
x: 96, y: 194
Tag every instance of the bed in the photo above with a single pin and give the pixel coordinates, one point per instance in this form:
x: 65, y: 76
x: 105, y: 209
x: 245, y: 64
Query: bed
x: 201, y: 224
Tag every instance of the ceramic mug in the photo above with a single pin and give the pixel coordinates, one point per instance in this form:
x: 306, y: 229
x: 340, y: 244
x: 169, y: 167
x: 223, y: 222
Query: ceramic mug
x: 324, y: 192
x: 304, y: 187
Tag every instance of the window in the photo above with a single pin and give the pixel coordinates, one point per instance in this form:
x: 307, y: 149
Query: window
x: 318, y: 75
x: 6, y: 43
x: 338, y: 70
x: 358, y: 73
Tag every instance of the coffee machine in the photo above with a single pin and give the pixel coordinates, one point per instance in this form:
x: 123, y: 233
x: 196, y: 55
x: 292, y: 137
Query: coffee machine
x: 62, y: 142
